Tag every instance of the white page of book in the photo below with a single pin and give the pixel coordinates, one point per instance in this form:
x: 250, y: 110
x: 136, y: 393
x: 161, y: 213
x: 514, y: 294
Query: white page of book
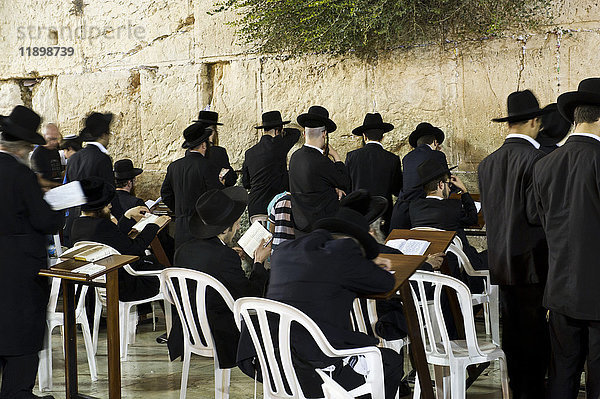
x: 148, y: 218
x: 65, y: 196
x: 252, y: 238
x: 90, y: 268
x: 150, y: 203
x: 409, y: 247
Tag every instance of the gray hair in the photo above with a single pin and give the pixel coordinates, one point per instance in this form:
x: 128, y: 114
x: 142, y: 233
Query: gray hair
x: 375, y: 230
x: 314, y: 132
x: 14, y: 146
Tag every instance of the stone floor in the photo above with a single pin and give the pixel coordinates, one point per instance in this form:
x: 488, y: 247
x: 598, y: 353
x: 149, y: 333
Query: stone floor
x: 149, y: 374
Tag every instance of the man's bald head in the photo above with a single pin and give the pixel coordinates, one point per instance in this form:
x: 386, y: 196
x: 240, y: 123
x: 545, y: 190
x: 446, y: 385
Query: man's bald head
x: 52, y: 136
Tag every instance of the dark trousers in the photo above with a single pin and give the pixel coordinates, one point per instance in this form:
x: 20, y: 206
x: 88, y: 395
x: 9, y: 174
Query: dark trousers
x: 573, y: 341
x: 18, y: 376
x: 525, y: 339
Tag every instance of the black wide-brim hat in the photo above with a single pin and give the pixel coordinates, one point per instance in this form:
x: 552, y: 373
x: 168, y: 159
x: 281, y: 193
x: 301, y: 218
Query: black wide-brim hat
x: 124, y: 170
x: 588, y: 93
x: 270, y: 120
x: 521, y: 106
x: 370, y: 206
x: 431, y: 169
x: 96, y: 124
x: 317, y: 116
x: 195, y: 134
x: 21, y: 124
x: 425, y: 129
x: 216, y: 210
x: 208, y: 117
x: 554, y: 126
x: 98, y: 193
x: 349, y: 222
x: 373, y: 121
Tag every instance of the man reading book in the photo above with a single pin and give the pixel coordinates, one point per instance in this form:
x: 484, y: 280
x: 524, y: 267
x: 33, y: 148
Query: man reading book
x: 217, y: 219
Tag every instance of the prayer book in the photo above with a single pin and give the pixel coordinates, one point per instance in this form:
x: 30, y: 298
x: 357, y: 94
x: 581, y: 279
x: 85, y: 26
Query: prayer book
x: 92, y: 253
x: 252, y: 238
x: 90, y: 268
x: 409, y: 247
x: 151, y: 204
x: 65, y: 196
x: 148, y: 218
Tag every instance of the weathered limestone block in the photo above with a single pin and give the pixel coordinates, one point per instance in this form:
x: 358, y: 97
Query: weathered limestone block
x: 45, y: 100
x: 10, y: 96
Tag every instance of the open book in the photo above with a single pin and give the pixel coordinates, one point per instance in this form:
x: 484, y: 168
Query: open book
x: 252, y: 238
x: 65, y: 196
x: 409, y: 247
x: 151, y: 204
x: 91, y: 253
x: 148, y: 218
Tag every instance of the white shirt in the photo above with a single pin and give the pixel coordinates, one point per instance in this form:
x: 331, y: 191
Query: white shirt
x: 586, y: 135
x: 100, y: 146
x: 524, y: 137
x: 375, y: 142
x: 316, y: 148
x: 434, y: 196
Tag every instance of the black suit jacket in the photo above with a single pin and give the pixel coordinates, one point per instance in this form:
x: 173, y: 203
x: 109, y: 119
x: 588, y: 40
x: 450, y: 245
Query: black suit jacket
x: 218, y: 156
x: 517, y: 249
x: 106, y: 232
x: 377, y: 170
x: 213, y: 257
x: 313, y: 180
x: 26, y: 220
x: 47, y: 163
x: 186, y: 180
x: 566, y: 186
x: 264, y: 172
x: 88, y: 162
x: 123, y: 201
x: 411, y: 162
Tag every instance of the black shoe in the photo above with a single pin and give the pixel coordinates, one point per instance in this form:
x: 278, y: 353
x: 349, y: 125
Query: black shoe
x: 404, y: 389
x: 162, y: 339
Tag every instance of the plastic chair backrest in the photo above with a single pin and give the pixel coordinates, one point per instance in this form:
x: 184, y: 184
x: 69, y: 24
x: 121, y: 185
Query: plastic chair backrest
x: 464, y: 262
x: 427, y: 320
x: 277, y: 372
x: 360, y: 318
x: 175, y: 286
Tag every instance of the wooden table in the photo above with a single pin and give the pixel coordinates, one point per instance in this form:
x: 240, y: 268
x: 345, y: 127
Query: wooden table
x: 63, y: 270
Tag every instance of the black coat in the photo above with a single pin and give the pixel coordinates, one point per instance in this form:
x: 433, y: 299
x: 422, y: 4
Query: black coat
x: 106, y: 232
x: 218, y: 156
x: 88, y: 162
x: 213, y: 257
x: 26, y: 220
x: 124, y: 201
x: 517, y: 249
x: 376, y: 170
x: 566, y: 186
x: 264, y: 172
x: 186, y: 180
x: 411, y: 162
x: 313, y: 180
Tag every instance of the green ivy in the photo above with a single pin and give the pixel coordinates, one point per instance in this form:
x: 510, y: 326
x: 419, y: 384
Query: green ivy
x: 368, y: 26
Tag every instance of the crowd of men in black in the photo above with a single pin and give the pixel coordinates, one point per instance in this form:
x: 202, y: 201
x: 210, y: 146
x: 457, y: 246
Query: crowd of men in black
x: 541, y: 203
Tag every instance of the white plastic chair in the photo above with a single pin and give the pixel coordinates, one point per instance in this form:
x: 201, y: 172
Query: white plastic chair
x: 331, y: 389
x: 128, y: 317
x: 54, y: 319
x: 359, y: 324
x: 198, y: 341
x: 443, y: 353
x: 281, y: 368
x: 489, y: 297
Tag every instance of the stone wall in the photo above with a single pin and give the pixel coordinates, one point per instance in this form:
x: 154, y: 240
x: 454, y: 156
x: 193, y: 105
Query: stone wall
x: 155, y: 63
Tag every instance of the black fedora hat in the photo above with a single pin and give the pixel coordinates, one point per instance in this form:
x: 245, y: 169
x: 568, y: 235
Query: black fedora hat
x: 372, y: 121
x: 430, y: 169
x: 370, y: 206
x: 216, y: 210
x: 554, y: 126
x: 96, y: 124
x: 208, y: 117
x: 425, y: 129
x: 270, y: 120
x: 195, y: 134
x: 588, y: 93
x: 350, y: 222
x: 521, y: 106
x: 21, y: 124
x: 317, y: 116
x: 124, y: 170
x: 97, y: 192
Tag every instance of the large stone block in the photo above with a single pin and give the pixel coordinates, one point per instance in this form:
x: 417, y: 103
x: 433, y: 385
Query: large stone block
x: 10, y: 96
